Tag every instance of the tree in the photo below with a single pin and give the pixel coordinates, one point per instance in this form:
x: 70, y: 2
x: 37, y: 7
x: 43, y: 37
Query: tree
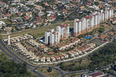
x: 101, y: 30
x: 96, y: 3
x: 49, y: 70
x: 8, y: 68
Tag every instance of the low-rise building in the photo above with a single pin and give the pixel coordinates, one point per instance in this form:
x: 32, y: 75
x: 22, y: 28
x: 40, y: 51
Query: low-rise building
x: 2, y: 23
x: 84, y: 48
x: 65, y: 55
x: 96, y: 74
x: 48, y: 59
x: 43, y: 59
x: 53, y: 59
x: 71, y: 54
x: 57, y: 58
x: 103, y: 36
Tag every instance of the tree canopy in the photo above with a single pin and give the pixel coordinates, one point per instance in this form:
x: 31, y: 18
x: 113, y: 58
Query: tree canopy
x: 102, y: 57
x: 8, y: 68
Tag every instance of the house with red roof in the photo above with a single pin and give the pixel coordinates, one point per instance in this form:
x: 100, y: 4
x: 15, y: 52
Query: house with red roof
x: 96, y: 74
x: 2, y: 4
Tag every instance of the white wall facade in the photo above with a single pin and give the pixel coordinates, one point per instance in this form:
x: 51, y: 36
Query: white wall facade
x: 47, y: 34
x: 51, y: 39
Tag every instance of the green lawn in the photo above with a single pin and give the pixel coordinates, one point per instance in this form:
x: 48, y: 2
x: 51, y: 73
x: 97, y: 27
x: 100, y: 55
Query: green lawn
x: 73, y: 75
x: 75, y: 65
x: 53, y: 73
x: 37, y: 32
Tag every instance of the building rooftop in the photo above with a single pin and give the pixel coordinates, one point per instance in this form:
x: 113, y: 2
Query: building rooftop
x: 96, y: 74
x: 1, y: 2
x: 78, y: 21
x: 103, y: 36
x: 50, y: 53
x: 62, y: 26
x: 87, y: 17
x: 83, y: 47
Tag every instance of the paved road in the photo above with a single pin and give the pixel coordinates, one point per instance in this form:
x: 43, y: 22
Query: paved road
x: 77, y: 9
x: 11, y: 55
x: 17, y: 59
x: 53, y: 67
x: 77, y: 72
x: 32, y: 68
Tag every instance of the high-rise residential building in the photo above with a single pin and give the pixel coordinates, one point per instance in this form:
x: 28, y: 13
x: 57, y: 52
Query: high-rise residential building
x: 77, y: 26
x: 91, y: 21
x: 47, y: 34
x: 8, y: 39
x: 58, y: 29
x: 56, y: 39
x: 84, y: 28
x: 102, y: 15
x: 53, y: 37
x: 65, y: 31
x: 81, y: 26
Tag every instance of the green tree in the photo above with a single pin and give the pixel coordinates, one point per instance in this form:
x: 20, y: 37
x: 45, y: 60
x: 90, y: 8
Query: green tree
x: 49, y: 70
x: 101, y: 30
x: 96, y: 3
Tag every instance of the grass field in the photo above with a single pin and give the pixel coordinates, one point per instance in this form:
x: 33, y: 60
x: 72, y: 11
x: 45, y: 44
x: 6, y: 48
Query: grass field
x: 75, y: 65
x: 37, y: 32
x: 53, y: 73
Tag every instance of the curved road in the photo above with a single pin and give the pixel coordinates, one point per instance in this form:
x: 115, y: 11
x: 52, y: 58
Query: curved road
x: 11, y: 55
x: 32, y: 68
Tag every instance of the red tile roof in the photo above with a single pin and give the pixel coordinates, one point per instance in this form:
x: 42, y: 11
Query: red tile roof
x: 53, y: 33
x: 1, y: 2
x: 50, y: 53
x: 65, y: 11
x: 78, y: 21
x: 87, y: 17
x: 66, y: 24
x: 26, y: 17
x: 90, y: 16
x: 103, y: 36
x: 111, y: 33
x: 84, y: 47
x: 62, y: 26
x: 96, y: 74
x: 103, y: 12
x: 38, y: 17
x: 8, y: 14
x: 37, y: 22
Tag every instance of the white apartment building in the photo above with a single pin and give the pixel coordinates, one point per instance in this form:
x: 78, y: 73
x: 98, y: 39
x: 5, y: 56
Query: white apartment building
x: 92, y: 21
x: 58, y: 29
x: 65, y: 31
x: 53, y: 37
x: 84, y: 25
x: 47, y: 34
x: 77, y: 26
x: 8, y: 39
